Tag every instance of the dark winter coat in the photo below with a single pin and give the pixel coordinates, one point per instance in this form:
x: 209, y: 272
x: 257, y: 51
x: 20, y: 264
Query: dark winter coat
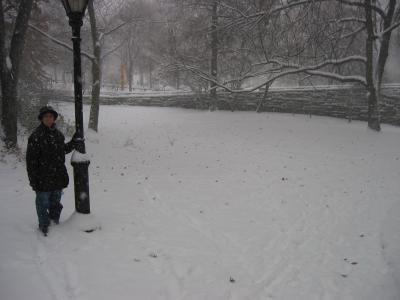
x: 45, y: 159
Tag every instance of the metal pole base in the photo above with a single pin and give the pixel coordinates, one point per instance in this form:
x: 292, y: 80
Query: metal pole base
x: 81, y: 185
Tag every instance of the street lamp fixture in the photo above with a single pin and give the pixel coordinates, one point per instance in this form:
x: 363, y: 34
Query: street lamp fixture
x: 77, y: 6
x: 75, y: 10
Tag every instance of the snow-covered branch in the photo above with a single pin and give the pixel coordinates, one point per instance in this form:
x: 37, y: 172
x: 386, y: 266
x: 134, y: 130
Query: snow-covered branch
x: 290, y: 70
x: 376, y: 8
x: 292, y: 4
x: 350, y: 19
x: 206, y: 77
x: 222, y: 4
x: 340, y: 61
x: 108, y: 32
x: 315, y: 70
x: 338, y: 77
x: 387, y: 30
x: 116, y: 28
x: 58, y: 42
x: 353, y: 33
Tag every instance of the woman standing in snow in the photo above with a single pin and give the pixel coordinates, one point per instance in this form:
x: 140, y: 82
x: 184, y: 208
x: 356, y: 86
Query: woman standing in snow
x: 45, y: 161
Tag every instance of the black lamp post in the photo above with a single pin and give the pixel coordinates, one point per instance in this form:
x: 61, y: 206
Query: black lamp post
x: 76, y: 11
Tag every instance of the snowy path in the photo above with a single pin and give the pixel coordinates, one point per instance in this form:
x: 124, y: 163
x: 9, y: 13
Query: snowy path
x: 198, y: 205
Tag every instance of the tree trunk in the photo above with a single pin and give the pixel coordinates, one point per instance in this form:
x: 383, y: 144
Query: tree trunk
x: 96, y: 71
x: 214, y: 56
x: 55, y: 74
x: 150, y: 67
x: 10, y: 69
x: 122, y: 76
x: 96, y: 86
x: 373, y: 108
x: 385, y: 43
x: 9, y: 110
x: 264, y: 98
x: 64, y: 80
x: 384, y: 48
x: 141, y: 77
x: 177, y: 79
x: 130, y: 76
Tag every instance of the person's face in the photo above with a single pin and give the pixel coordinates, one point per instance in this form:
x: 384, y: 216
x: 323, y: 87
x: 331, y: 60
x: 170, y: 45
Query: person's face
x: 48, y: 119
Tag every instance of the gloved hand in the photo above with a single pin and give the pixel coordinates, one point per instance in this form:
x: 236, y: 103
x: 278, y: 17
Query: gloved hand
x: 76, y: 138
x: 77, y: 142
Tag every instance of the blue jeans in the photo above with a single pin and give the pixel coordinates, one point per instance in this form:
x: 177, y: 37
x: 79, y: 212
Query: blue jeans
x: 48, y: 207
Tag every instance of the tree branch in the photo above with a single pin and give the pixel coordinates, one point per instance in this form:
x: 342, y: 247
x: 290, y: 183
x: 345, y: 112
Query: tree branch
x: 294, y: 69
x: 360, y: 4
x: 387, y: 30
x: 58, y: 42
x: 113, y: 29
x: 18, y: 37
x: 112, y: 50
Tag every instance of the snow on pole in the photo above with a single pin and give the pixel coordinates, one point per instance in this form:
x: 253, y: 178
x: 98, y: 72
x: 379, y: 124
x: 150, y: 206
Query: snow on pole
x: 78, y: 157
x: 8, y: 63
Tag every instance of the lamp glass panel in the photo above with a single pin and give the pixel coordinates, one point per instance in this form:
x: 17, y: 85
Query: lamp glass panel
x: 77, y: 5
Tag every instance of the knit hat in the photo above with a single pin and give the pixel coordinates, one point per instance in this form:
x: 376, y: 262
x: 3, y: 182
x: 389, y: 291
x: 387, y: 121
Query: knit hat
x: 47, y: 109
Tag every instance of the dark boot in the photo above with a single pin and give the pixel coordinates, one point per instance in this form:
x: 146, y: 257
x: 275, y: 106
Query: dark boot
x: 44, y: 230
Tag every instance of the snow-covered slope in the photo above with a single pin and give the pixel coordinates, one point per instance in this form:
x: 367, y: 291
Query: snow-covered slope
x: 199, y: 205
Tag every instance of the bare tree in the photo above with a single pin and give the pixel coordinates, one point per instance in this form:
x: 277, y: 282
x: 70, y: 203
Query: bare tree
x: 9, y: 68
x: 214, y: 55
x: 98, y: 36
x: 96, y: 70
x: 107, y: 11
x: 317, y: 46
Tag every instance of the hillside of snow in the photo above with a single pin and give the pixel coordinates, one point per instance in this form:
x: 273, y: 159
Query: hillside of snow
x: 198, y: 205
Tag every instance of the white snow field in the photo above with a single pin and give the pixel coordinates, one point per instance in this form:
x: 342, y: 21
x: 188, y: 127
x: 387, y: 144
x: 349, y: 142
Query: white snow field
x: 199, y: 205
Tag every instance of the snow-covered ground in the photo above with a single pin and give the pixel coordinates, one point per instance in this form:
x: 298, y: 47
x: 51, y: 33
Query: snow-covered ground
x: 199, y: 205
